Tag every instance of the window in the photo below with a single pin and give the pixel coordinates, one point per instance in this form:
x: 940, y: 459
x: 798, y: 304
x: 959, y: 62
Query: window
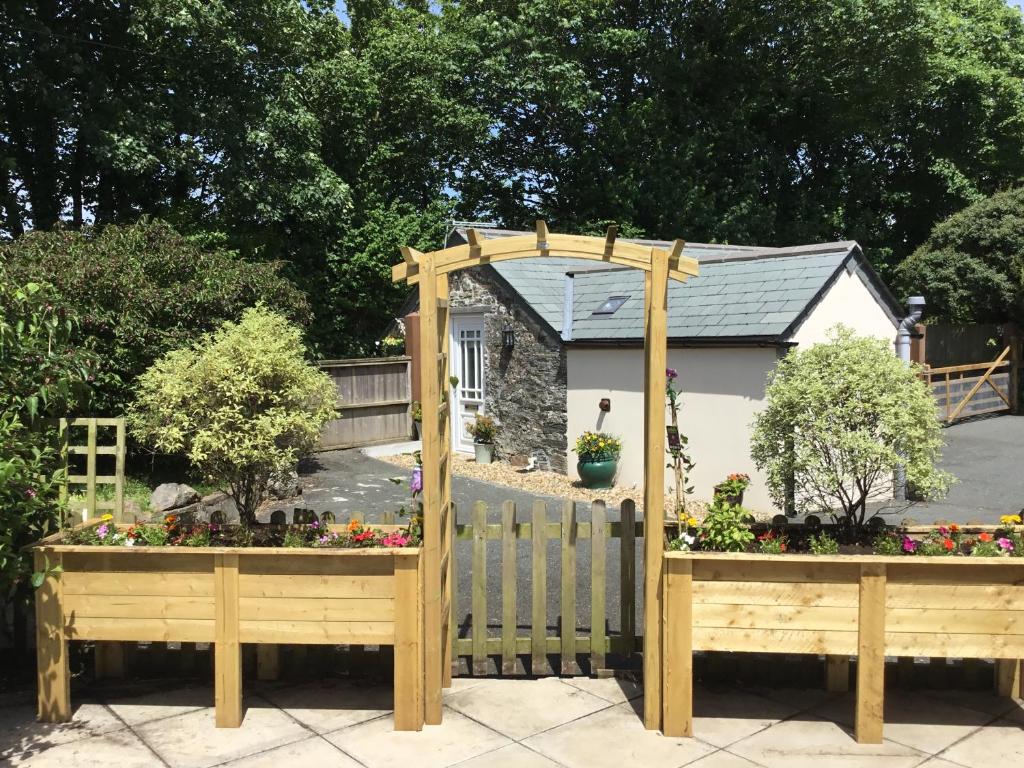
x: 611, y: 305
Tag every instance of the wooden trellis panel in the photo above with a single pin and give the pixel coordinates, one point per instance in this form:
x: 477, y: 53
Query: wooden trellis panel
x: 72, y: 444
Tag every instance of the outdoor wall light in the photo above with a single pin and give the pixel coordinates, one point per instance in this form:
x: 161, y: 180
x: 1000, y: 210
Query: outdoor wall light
x: 508, y: 337
x: 605, y: 404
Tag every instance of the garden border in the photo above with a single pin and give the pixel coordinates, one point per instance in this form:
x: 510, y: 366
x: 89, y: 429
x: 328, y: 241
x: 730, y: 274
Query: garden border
x: 867, y: 606
x: 229, y: 596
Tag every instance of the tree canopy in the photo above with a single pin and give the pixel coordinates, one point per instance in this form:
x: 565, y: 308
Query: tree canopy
x: 288, y: 132
x: 971, y: 267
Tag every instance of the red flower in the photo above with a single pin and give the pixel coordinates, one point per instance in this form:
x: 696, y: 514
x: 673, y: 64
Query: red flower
x: 948, y: 544
x: 984, y: 537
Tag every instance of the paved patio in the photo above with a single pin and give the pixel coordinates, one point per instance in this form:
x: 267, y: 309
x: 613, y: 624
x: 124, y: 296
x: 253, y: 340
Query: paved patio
x: 577, y: 723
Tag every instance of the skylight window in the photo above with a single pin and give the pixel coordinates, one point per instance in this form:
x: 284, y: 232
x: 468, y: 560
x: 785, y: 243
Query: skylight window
x: 611, y: 306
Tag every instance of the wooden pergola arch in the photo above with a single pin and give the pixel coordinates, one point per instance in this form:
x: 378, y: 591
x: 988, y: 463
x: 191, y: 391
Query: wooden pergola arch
x: 430, y: 272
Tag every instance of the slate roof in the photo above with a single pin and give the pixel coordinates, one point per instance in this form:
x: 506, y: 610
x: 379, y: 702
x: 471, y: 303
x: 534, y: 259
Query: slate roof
x: 741, y: 292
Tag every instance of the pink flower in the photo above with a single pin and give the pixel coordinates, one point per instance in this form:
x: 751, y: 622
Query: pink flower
x: 103, y: 530
x: 909, y: 545
x: 1005, y: 544
x: 395, y: 539
x: 31, y: 493
x: 943, y: 530
x: 671, y: 374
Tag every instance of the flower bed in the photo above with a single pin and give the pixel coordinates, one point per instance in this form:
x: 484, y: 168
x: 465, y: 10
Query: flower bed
x: 839, y: 606
x: 321, y: 584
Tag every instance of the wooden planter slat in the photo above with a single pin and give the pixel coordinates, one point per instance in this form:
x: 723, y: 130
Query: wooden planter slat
x: 839, y: 606
x: 229, y: 597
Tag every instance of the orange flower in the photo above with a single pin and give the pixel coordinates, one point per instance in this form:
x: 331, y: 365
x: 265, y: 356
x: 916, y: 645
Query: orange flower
x: 954, y: 528
x: 354, y: 525
x: 170, y: 519
x: 948, y: 544
x: 984, y: 537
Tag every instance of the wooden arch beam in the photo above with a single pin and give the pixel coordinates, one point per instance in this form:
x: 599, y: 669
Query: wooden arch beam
x: 607, y: 249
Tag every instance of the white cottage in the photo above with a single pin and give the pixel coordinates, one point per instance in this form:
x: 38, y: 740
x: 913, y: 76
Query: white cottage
x: 539, y: 344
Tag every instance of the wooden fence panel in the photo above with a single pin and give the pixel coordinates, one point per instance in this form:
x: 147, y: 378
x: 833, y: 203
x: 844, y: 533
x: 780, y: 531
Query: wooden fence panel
x: 101, y: 441
x: 973, y: 389
x: 373, y: 400
x: 505, y: 643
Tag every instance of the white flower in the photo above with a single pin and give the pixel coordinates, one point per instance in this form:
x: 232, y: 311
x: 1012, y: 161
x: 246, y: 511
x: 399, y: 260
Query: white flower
x: 689, y: 539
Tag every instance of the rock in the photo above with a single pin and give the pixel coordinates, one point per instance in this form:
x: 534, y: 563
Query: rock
x: 170, y: 496
x: 284, y: 485
x: 132, y: 511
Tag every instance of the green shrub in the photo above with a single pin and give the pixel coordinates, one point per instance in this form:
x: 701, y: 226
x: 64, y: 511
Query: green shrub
x: 841, y: 417
x: 598, y: 446
x: 241, y: 404
x: 144, y: 290
x: 42, y: 374
x: 483, y: 429
x: 887, y: 543
x: 823, y: 544
x: 725, y: 528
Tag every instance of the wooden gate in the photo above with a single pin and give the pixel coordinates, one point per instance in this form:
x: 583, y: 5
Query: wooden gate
x: 474, y: 637
x: 373, y: 400
x: 974, y: 389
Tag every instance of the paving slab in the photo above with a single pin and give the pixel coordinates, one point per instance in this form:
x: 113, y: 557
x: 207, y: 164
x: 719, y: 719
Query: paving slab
x: 119, y: 749
x: 540, y: 705
x: 809, y: 742
x: 723, y: 717
x: 1000, y: 745
x: 615, y: 738
x: 21, y: 735
x: 376, y: 744
x: 924, y: 723
x: 314, y: 752
x: 512, y: 756
x: 192, y: 740
x: 157, y: 705
x: 613, y: 689
x: 332, y: 704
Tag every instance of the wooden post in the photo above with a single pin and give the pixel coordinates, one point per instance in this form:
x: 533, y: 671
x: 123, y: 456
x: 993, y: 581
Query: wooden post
x: 54, y: 677
x: 598, y: 556
x: 1010, y: 677
x: 627, y: 574
x: 871, y: 654
x: 480, y: 588
x: 539, y: 613
x: 568, y: 574
x: 108, y: 661
x: 408, y: 656
x: 655, y: 352
x: 227, y: 649
x: 412, y: 349
x: 837, y: 674
x: 509, y: 593
x: 1012, y: 337
x: 677, y: 685
x: 447, y: 542
x: 430, y: 351
x: 268, y: 663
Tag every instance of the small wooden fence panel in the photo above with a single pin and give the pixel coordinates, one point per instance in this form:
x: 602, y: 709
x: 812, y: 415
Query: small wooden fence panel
x: 506, y: 641
x: 973, y: 389
x: 373, y: 400
x: 101, y: 441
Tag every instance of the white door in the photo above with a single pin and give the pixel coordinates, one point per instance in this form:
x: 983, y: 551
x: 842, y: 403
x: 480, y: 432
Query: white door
x: 467, y: 363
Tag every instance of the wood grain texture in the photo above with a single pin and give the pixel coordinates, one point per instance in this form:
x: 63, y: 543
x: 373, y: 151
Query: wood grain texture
x: 871, y: 655
x: 54, y: 677
x: 677, y: 692
x: 227, y: 648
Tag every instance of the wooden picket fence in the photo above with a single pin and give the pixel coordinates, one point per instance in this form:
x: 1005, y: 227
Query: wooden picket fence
x: 509, y: 642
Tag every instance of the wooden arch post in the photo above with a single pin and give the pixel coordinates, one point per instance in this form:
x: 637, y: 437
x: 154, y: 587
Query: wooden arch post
x: 430, y: 272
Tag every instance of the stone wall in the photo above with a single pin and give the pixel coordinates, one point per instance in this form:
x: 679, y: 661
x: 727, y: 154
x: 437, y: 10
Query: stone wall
x: 525, y: 386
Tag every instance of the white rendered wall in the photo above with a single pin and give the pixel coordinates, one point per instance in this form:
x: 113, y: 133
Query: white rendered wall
x: 849, y: 302
x: 723, y: 389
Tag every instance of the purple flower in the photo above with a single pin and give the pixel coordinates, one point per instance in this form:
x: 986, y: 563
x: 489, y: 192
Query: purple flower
x: 671, y: 374
x: 1005, y: 544
x: 416, y: 483
x: 909, y: 545
x: 103, y: 530
x: 943, y: 530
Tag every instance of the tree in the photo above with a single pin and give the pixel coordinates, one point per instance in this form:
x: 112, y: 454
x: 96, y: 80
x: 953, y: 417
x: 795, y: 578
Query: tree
x: 42, y: 374
x: 241, y: 404
x: 143, y: 290
x: 841, y: 417
x: 971, y: 267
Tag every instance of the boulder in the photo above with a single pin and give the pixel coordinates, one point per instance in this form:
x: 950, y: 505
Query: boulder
x: 170, y: 496
x: 284, y: 485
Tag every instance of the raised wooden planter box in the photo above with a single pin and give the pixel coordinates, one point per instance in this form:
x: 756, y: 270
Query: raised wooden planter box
x: 229, y: 596
x: 838, y: 606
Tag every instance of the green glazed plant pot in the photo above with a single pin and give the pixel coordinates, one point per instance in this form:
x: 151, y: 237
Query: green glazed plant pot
x: 597, y: 474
